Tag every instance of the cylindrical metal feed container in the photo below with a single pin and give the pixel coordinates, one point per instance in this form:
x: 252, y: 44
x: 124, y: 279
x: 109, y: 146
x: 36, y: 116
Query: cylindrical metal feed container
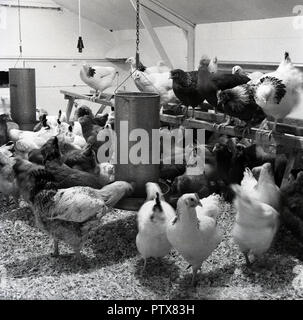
x: 136, y: 110
x: 22, y: 83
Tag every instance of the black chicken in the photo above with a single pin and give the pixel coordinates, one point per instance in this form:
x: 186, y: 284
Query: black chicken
x: 3, y: 129
x: 292, y: 206
x: 208, y: 84
x: 239, y: 102
x: 66, y: 177
x: 233, y: 158
x: 185, y: 87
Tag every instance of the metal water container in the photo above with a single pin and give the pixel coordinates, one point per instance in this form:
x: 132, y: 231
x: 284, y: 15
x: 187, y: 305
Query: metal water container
x: 140, y: 111
x: 22, y: 83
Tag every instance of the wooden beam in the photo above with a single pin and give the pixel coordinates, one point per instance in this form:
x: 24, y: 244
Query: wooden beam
x: 191, y: 49
x: 187, y: 26
x: 167, y: 14
x: 289, y: 142
x: 156, y: 41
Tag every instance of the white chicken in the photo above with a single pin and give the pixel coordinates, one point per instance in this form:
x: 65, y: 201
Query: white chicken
x: 152, y: 219
x: 194, y: 236
x: 213, y: 65
x: 278, y: 93
x: 264, y: 189
x: 98, y: 78
x: 154, y: 80
x: 161, y: 67
x: 157, y: 83
x: 256, y: 223
x: 210, y: 206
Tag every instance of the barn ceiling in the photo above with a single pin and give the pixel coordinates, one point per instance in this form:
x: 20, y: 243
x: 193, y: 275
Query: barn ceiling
x: 119, y: 14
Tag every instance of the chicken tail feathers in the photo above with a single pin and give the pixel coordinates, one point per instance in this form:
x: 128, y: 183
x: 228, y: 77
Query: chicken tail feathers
x: 41, y: 180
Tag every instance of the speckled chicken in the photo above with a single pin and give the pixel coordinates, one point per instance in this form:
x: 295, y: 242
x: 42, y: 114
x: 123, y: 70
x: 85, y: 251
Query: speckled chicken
x: 67, y: 215
x: 194, y: 236
x: 239, y: 102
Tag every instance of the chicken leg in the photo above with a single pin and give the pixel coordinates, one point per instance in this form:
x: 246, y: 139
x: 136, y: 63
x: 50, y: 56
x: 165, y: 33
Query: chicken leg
x: 194, y: 276
x: 248, y: 263
x: 56, y: 248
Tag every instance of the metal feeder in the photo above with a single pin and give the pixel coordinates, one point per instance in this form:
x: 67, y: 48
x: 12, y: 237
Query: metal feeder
x: 22, y: 83
x: 141, y: 111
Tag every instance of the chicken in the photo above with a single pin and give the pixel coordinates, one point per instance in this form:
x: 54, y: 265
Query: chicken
x: 3, y: 129
x: 98, y: 78
x: 64, y: 176
x: 152, y: 219
x: 253, y: 76
x: 197, y: 177
x: 36, y: 156
x: 256, y: 223
x: 233, y: 158
x: 108, y: 170
x: 84, y: 160
x: 292, y: 206
x: 7, y: 149
x: 71, y: 138
x: 279, y: 93
x: 194, y: 236
x: 7, y: 178
x: 240, y: 102
x: 264, y: 189
x: 208, y: 84
x: 154, y: 80
x: 50, y: 121
x: 157, y: 83
x: 185, y: 87
x: 161, y: 67
x: 67, y: 215
x: 89, y: 128
x: 213, y: 65
x: 210, y: 206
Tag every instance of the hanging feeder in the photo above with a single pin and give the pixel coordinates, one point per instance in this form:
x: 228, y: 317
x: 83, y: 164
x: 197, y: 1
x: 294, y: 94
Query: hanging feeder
x: 140, y: 110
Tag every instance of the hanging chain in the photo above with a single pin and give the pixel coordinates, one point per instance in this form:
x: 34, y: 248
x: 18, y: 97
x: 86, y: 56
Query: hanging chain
x: 138, y: 34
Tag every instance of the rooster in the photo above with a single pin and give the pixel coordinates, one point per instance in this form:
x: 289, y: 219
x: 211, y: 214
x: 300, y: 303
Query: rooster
x: 98, y: 78
x: 278, y: 93
x: 67, y: 215
x: 240, y: 102
x: 208, y: 84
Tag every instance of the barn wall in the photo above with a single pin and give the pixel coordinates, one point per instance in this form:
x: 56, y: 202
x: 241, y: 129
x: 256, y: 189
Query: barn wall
x: 47, y: 36
x: 262, y: 41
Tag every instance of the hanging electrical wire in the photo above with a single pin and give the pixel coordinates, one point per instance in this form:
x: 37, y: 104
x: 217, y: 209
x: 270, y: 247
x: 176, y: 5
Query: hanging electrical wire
x: 20, y: 34
x: 80, y: 44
